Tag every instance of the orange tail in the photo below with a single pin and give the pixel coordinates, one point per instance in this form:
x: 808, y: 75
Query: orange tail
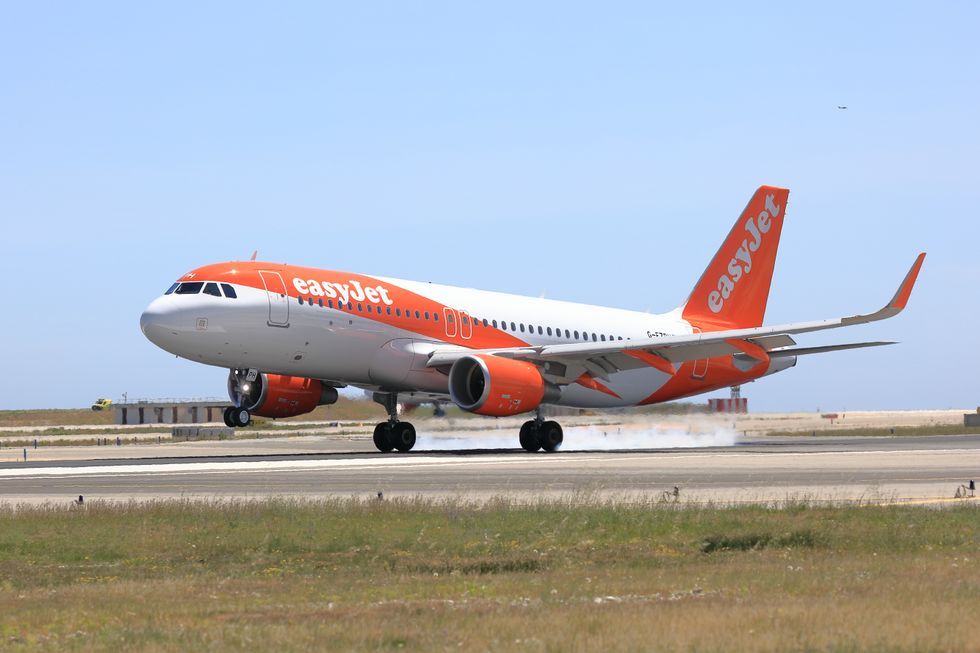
x: 734, y: 289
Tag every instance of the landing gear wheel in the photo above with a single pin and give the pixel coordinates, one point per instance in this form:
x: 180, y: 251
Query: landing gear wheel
x: 403, y: 436
x: 529, y: 436
x: 383, y: 439
x: 240, y: 417
x: 227, y: 417
x: 550, y: 436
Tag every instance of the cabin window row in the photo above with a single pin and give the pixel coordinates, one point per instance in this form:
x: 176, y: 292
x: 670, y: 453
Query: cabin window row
x: 503, y: 324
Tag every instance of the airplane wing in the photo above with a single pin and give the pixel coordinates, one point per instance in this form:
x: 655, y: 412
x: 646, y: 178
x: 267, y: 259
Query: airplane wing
x: 752, y: 346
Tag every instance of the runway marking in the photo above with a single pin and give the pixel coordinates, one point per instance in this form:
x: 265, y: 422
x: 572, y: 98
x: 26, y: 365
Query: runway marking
x: 157, y: 469
x: 373, y: 461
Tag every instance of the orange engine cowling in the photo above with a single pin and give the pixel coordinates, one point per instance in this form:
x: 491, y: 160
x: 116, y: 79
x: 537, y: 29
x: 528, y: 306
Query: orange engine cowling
x: 491, y: 385
x: 277, y: 395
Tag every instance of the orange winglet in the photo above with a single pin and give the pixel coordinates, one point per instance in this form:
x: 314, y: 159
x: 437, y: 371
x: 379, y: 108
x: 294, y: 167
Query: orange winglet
x: 901, y: 298
x: 589, y: 382
x: 654, y: 361
x: 750, y: 349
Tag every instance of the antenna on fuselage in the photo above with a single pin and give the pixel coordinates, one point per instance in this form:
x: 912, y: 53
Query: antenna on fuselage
x: 254, y: 254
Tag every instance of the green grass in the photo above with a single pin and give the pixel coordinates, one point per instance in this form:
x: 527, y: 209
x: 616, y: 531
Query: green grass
x: 578, y: 574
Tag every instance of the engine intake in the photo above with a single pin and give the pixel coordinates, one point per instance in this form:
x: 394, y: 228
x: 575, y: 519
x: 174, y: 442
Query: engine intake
x: 277, y: 395
x: 500, y: 387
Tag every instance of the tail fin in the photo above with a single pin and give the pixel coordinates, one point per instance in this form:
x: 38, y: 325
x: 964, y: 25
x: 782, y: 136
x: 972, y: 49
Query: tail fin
x: 734, y: 289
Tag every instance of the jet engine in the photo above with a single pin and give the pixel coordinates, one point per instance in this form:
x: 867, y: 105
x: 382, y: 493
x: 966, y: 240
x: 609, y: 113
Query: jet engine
x: 496, y: 386
x: 277, y: 395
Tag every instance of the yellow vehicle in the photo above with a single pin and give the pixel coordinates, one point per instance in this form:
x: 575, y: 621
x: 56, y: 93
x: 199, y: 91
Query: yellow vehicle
x: 101, y: 404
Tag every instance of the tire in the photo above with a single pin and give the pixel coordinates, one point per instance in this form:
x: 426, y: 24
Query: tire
x: 529, y: 436
x: 227, y: 416
x: 550, y: 436
x: 382, y: 437
x: 240, y: 417
x: 403, y: 436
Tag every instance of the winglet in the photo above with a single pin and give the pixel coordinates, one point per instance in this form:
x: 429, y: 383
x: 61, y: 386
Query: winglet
x: 901, y: 297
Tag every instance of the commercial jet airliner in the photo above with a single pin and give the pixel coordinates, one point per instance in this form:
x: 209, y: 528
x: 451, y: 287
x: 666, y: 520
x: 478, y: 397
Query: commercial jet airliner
x: 291, y: 336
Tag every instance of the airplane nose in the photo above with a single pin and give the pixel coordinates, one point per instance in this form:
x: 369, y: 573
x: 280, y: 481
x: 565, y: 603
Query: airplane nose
x: 156, y: 321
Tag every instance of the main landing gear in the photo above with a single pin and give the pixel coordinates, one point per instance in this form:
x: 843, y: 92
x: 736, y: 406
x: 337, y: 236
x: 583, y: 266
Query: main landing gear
x: 393, y: 434
x: 237, y: 417
x: 540, y: 434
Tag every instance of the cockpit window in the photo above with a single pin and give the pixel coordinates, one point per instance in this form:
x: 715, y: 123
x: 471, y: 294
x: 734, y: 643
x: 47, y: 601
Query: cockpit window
x: 212, y: 289
x: 229, y: 291
x: 172, y: 288
x: 189, y: 288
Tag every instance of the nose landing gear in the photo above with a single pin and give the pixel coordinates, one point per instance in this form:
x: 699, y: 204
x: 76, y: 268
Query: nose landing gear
x: 540, y: 434
x: 392, y: 434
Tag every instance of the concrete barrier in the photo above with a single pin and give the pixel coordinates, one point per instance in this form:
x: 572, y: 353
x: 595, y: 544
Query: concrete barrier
x: 201, y: 433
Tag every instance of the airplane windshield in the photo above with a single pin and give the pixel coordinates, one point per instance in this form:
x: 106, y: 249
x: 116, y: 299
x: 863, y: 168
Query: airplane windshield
x: 189, y: 288
x: 171, y: 289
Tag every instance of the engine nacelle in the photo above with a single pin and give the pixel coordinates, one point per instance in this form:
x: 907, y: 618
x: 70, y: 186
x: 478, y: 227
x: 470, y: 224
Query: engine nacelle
x: 500, y: 387
x: 277, y: 395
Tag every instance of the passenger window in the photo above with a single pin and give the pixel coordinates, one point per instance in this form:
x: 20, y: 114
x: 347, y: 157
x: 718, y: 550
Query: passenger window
x: 330, y: 303
x: 603, y: 338
x: 368, y: 308
x: 485, y: 322
x: 466, y: 321
x: 350, y: 306
x: 522, y: 327
x: 513, y: 327
x: 229, y: 291
x: 389, y: 310
x: 310, y: 300
x: 540, y: 332
x: 189, y: 288
x: 576, y: 335
x: 593, y: 338
x: 398, y: 312
x: 427, y: 315
x: 417, y: 316
x: 568, y: 336
x: 451, y: 319
x: 435, y: 317
x: 171, y: 289
x: 300, y: 300
x: 495, y: 324
x: 320, y: 302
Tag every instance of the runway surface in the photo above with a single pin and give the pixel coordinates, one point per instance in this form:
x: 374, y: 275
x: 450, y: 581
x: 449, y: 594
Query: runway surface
x: 918, y: 469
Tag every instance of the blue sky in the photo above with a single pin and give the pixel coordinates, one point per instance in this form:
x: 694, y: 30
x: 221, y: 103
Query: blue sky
x: 591, y: 152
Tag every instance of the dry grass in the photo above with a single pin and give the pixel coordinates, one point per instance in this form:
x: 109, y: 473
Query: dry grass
x: 421, y: 575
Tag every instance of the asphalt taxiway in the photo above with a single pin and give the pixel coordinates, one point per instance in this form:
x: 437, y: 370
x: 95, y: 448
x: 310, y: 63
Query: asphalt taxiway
x: 823, y: 468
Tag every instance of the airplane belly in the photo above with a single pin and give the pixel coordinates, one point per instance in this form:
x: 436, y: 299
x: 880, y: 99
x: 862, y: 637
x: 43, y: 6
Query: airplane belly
x: 400, y: 365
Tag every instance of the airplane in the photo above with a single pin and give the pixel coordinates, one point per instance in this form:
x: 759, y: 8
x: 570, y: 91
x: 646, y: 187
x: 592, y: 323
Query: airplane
x: 292, y: 336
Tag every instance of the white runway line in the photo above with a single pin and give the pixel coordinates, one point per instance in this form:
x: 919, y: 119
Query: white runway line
x: 380, y: 461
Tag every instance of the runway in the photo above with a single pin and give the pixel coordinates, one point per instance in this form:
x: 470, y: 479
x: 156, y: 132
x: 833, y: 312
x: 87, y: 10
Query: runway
x: 922, y: 469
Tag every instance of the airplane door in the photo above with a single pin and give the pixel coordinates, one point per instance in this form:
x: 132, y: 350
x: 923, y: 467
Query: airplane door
x: 275, y: 289
x: 450, y: 320
x: 700, y: 366
x: 465, y: 325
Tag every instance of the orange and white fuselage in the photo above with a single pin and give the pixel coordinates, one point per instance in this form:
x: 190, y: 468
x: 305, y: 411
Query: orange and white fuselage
x: 377, y: 332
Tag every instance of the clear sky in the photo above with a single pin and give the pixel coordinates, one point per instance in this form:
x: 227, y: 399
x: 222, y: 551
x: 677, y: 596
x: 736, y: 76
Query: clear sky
x: 592, y: 152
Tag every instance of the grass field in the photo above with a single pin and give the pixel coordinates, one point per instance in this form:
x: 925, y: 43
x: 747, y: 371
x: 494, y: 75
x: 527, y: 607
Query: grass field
x: 576, y: 575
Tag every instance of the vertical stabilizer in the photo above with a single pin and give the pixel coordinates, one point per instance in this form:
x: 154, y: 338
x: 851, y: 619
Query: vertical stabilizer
x: 734, y: 289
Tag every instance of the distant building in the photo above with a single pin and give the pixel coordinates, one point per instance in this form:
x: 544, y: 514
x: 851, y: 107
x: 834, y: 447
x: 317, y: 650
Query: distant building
x: 170, y: 412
